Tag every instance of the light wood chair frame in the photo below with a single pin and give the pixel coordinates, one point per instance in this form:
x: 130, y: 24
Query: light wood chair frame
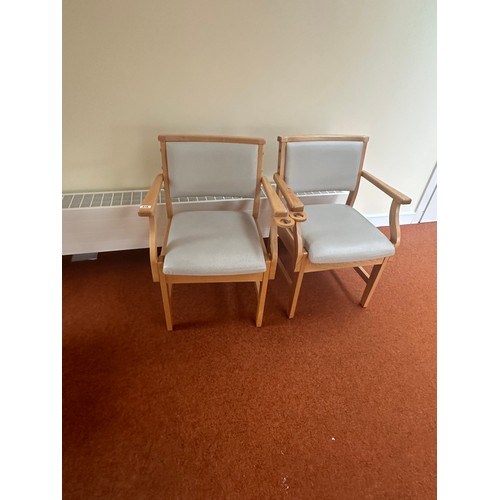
x: 292, y: 237
x: 148, y: 208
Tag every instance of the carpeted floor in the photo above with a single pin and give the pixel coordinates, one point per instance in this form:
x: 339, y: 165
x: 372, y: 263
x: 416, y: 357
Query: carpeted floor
x: 338, y: 403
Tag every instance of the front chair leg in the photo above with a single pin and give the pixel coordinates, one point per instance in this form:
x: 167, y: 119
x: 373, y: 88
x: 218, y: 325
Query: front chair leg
x: 261, y: 301
x: 296, y: 285
x: 166, y: 296
x: 372, y: 283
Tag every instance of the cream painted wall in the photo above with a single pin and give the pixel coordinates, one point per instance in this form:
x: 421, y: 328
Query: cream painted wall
x: 135, y: 68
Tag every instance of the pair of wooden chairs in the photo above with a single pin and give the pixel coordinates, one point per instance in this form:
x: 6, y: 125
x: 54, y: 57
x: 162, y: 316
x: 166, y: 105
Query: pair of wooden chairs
x: 228, y: 245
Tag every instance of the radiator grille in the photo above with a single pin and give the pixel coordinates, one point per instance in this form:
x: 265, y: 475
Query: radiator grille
x: 126, y: 198
x: 130, y: 198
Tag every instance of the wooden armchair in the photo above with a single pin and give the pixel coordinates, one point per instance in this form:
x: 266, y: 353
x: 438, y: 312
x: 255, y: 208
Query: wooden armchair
x: 212, y: 245
x: 334, y: 235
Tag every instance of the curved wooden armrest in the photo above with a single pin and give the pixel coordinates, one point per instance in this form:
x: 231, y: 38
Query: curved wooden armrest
x: 398, y: 199
x: 277, y: 207
x: 292, y: 200
x: 147, y: 209
x: 279, y: 211
x: 393, y: 193
x: 148, y: 205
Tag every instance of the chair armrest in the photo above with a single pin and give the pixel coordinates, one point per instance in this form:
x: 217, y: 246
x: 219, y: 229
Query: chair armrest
x: 147, y: 209
x: 292, y: 200
x: 148, y: 205
x: 393, y: 193
x: 279, y: 211
x: 398, y: 199
x: 280, y: 217
x: 276, y: 204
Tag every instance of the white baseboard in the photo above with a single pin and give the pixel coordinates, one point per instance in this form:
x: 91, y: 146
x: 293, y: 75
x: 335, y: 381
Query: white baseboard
x: 383, y: 220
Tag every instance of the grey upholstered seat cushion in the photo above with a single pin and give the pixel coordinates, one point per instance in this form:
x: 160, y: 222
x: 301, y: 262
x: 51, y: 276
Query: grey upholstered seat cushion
x: 338, y: 233
x: 211, y: 243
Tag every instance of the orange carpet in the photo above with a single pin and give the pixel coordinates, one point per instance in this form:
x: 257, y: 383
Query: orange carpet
x: 338, y: 403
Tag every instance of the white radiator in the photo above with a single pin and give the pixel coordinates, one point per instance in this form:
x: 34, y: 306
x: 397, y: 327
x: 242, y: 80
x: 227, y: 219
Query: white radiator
x: 108, y: 221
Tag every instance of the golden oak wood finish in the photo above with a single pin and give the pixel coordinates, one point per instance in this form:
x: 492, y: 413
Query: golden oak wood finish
x: 279, y: 218
x: 210, y: 138
x: 292, y: 200
x: 292, y: 238
x: 148, y: 209
x: 398, y: 199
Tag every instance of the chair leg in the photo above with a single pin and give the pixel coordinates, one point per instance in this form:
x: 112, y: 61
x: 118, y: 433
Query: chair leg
x: 166, y: 296
x: 296, y: 285
x: 372, y: 283
x: 261, y: 302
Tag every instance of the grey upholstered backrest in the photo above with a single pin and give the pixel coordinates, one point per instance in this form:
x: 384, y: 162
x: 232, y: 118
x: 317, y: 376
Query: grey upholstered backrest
x: 212, y: 168
x: 323, y: 165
